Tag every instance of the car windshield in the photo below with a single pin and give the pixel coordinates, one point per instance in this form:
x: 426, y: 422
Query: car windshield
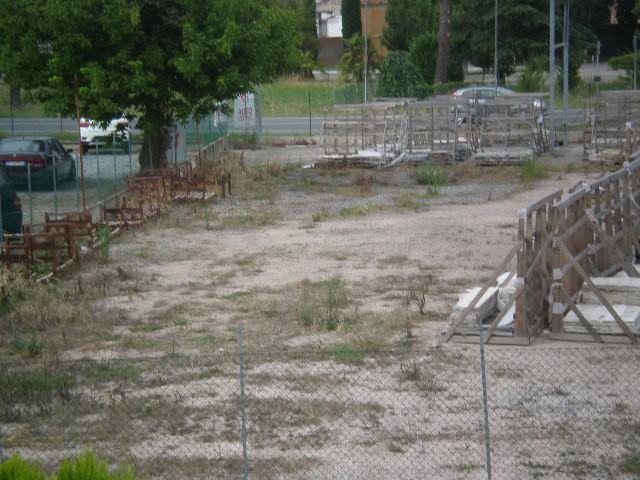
x: 20, y: 145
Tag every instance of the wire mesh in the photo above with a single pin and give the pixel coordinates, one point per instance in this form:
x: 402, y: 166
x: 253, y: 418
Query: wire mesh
x: 342, y: 413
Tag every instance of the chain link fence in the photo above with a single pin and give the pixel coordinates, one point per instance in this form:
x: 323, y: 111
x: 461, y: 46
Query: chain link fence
x: 105, y: 169
x: 341, y: 413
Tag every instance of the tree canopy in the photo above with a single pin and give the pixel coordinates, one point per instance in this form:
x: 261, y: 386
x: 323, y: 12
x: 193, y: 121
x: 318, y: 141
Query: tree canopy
x: 159, y: 60
x: 407, y: 19
x: 351, y: 18
x: 398, y: 76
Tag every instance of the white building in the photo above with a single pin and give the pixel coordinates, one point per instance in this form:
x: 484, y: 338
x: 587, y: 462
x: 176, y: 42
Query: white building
x: 329, y: 18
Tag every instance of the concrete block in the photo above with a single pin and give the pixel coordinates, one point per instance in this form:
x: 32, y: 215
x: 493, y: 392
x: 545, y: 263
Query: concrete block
x: 621, y: 290
x: 602, y: 321
x: 485, y: 307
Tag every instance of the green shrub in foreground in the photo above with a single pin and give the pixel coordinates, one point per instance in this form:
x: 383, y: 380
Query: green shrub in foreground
x: 18, y: 469
x: 85, y: 467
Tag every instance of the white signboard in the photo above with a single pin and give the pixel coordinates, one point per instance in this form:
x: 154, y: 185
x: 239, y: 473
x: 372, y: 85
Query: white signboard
x: 244, y: 111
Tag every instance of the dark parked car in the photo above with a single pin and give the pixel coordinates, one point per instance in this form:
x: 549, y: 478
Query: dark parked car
x: 42, y: 155
x: 11, y: 206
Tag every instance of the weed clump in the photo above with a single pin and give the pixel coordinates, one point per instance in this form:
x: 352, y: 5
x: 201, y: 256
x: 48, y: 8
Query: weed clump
x: 430, y: 175
x: 319, y: 307
x: 532, y: 171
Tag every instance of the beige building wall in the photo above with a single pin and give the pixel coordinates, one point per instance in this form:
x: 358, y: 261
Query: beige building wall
x: 375, y: 11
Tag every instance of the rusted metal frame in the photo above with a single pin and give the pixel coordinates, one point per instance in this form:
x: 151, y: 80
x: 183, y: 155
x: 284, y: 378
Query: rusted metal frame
x: 612, y: 245
x: 585, y: 323
x: 482, y: 291
x: 580, y: 271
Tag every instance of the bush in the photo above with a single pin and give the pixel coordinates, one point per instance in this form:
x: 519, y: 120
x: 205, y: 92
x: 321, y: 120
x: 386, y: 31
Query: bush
x: 18, y: 469
x: 532, y: 78
x: 430, y: 175
x: 87, y: 467
x: 398, y: 76
x: 533, y: 171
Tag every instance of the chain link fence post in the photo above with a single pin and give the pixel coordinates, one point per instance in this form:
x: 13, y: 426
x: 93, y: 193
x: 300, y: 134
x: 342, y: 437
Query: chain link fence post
x: 487, y: 436
x: 243, y: 407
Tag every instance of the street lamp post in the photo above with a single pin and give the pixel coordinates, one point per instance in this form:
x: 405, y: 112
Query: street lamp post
x: 366, y: 47
x: 495, y: 49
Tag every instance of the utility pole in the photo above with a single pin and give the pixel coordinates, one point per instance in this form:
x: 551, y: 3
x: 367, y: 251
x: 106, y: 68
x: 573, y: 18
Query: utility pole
x: 552, y: 75
x: 366, y: 47
x: 495, y: 48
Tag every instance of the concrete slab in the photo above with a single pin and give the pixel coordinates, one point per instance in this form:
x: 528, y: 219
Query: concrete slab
x: 486, y: 306
x: 602, y: 321
x: 621, y: 290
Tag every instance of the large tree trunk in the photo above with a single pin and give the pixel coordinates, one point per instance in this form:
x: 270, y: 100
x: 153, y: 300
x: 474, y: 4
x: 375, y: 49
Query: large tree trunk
x: 154, y: 149
x: 16, y: 99
x: 444, y: 43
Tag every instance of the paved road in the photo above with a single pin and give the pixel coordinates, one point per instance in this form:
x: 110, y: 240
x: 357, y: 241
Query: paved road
x: 273, y: 125
x: 270, y: 125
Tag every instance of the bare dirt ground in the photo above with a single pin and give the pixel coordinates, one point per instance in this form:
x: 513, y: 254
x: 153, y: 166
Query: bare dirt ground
x: 306, y: 259
x: 287, y: 234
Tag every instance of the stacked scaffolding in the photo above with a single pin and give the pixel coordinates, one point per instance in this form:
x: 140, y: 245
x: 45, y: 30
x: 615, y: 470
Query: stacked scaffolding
x: 610, y: 125
x: 507, y: 129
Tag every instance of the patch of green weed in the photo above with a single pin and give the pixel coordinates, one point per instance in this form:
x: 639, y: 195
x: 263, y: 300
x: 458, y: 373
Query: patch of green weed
x: 532, y: 171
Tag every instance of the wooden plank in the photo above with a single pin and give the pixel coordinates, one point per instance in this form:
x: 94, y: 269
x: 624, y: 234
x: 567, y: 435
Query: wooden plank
x: 486, y: 286
x: 580, y: 271
x: 585, y: 337
x: 495, y: 340
x: 612, y: 245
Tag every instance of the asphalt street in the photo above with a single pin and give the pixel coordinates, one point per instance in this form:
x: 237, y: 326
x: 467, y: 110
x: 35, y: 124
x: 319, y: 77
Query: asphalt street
x: 270, y: 125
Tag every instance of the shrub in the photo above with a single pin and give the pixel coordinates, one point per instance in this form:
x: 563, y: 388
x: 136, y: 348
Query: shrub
x: 398, y: 76
x: 532, y: 171
x: 430, y: 175
x: 18, y: 469
x: 87, y: 467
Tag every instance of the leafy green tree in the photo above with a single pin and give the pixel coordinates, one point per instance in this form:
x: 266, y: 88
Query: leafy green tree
x: 444, y: 41
x: 398, y: 76
x: 523, y: 33
x: 407, y: 19
x: 352, y: 62
x: 351, y: 18
x: 161, y: 61
x: 423, y: 54
x: 310, y: 43
x: 532, y: 77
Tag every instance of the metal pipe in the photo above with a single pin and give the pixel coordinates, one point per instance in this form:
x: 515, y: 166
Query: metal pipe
x: 552, y: 75
x: 565, y: 76
x: 366, y: 47
x: 495, y: 49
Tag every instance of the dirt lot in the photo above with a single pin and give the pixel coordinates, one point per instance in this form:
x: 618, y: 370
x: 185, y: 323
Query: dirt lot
x: 312, y: 258
x: 289, y: 237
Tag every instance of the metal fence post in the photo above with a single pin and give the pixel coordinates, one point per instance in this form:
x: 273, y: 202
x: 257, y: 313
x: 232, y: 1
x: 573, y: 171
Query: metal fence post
x: 243, y: 407
x: 115, y: 159
x: 55, y: 184
x: 487, y: 436
x: 29, y: 189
